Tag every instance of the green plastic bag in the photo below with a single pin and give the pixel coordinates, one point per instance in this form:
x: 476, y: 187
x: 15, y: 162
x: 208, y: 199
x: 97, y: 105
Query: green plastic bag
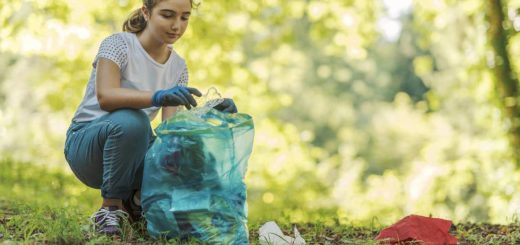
x: 193, y: 177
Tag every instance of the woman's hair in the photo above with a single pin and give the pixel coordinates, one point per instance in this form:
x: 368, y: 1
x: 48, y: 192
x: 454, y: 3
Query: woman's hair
x: 136, y: 22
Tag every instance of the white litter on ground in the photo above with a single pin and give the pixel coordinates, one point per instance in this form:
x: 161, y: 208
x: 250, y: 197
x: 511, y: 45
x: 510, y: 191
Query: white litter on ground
x: 271, y: 234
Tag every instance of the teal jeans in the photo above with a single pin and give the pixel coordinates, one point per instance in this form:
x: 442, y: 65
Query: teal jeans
x: 108, y: 153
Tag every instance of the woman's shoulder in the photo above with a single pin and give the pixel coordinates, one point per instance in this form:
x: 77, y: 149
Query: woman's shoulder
x: 118, y: 39
x: 176, y: 57
x: 114, y: 47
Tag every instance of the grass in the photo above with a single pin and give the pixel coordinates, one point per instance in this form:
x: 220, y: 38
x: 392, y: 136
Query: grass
x: 26, y: 223
x: 38, y: 205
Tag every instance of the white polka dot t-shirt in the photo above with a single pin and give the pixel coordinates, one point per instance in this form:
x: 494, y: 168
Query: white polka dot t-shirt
x: 138, y: 71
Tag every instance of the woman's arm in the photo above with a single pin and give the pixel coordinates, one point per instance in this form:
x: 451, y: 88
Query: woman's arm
x: 109, y: 93
x: 168, y: 112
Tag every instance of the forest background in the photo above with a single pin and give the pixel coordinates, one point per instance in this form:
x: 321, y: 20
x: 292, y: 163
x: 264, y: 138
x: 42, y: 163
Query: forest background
x: 364, y: 110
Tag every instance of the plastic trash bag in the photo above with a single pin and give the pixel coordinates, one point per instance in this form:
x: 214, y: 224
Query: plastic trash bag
x: 193, y: 177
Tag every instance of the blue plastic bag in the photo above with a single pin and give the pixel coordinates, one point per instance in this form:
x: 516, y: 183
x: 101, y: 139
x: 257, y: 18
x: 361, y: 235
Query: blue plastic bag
x: 193, y: 177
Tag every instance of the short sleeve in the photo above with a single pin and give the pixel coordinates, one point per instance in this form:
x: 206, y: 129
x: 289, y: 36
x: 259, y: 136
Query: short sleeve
x: 183, y: 78
x: 115, y: 49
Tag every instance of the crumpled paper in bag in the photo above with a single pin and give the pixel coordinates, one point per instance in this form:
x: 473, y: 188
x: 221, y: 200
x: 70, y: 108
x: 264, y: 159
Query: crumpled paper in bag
x: 271, y: 234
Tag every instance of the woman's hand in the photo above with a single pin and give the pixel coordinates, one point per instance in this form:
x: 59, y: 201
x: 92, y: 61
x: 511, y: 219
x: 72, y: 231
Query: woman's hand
x: 176, y: 96
x: 228, y: 105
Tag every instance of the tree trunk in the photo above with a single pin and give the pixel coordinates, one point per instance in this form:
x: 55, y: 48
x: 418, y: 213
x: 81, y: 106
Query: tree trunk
x: 506, y: 83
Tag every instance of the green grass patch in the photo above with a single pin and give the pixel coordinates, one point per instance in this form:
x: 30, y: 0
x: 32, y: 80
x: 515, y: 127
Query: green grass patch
x: 30, y: 223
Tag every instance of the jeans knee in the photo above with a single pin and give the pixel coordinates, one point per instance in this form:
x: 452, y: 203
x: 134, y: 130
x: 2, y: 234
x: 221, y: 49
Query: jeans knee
x: 134, y: 124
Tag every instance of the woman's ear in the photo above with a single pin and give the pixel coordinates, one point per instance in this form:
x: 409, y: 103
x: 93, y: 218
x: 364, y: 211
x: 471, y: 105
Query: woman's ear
x: 145, y: 12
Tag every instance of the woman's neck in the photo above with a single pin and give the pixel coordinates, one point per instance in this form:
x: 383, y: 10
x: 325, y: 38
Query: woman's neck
x: 157, y: 50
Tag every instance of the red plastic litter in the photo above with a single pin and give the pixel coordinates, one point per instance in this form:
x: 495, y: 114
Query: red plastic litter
x: 424, y: 230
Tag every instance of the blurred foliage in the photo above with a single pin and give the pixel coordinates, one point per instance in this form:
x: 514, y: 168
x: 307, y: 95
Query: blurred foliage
x: 349, y: 124
x: 50, y: 185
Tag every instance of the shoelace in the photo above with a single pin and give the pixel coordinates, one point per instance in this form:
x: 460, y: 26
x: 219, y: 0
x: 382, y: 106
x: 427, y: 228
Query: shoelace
x: 108, y: 218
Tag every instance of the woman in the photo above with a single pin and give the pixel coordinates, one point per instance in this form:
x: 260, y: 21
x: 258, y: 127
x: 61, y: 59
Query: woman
x: 135, y: 73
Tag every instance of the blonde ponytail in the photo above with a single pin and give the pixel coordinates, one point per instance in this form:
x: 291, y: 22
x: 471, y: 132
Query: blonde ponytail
x: 135, y: 22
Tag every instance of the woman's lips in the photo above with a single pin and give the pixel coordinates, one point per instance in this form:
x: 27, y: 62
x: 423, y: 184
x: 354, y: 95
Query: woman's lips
x: 172, y: 35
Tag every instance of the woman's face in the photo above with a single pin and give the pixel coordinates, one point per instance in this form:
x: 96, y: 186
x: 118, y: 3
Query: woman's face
x: 168, y: 19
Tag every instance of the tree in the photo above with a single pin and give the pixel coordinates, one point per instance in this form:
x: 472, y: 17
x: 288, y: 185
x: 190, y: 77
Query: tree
x: 506, y: 82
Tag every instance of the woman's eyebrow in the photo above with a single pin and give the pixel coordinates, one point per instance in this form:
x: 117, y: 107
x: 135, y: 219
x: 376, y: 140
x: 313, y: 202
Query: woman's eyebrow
x: 173, y: 11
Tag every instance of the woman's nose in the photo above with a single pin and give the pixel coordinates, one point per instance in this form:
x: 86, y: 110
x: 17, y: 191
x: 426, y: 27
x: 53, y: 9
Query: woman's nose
x: 176, y: 25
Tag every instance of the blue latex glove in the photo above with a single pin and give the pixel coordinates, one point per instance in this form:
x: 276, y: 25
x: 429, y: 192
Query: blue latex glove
x: 176, y: 96
x: 228, y: 105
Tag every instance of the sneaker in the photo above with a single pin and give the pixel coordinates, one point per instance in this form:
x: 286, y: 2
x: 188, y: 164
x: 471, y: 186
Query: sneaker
x: 135, y: 211
x: 108, y: 220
